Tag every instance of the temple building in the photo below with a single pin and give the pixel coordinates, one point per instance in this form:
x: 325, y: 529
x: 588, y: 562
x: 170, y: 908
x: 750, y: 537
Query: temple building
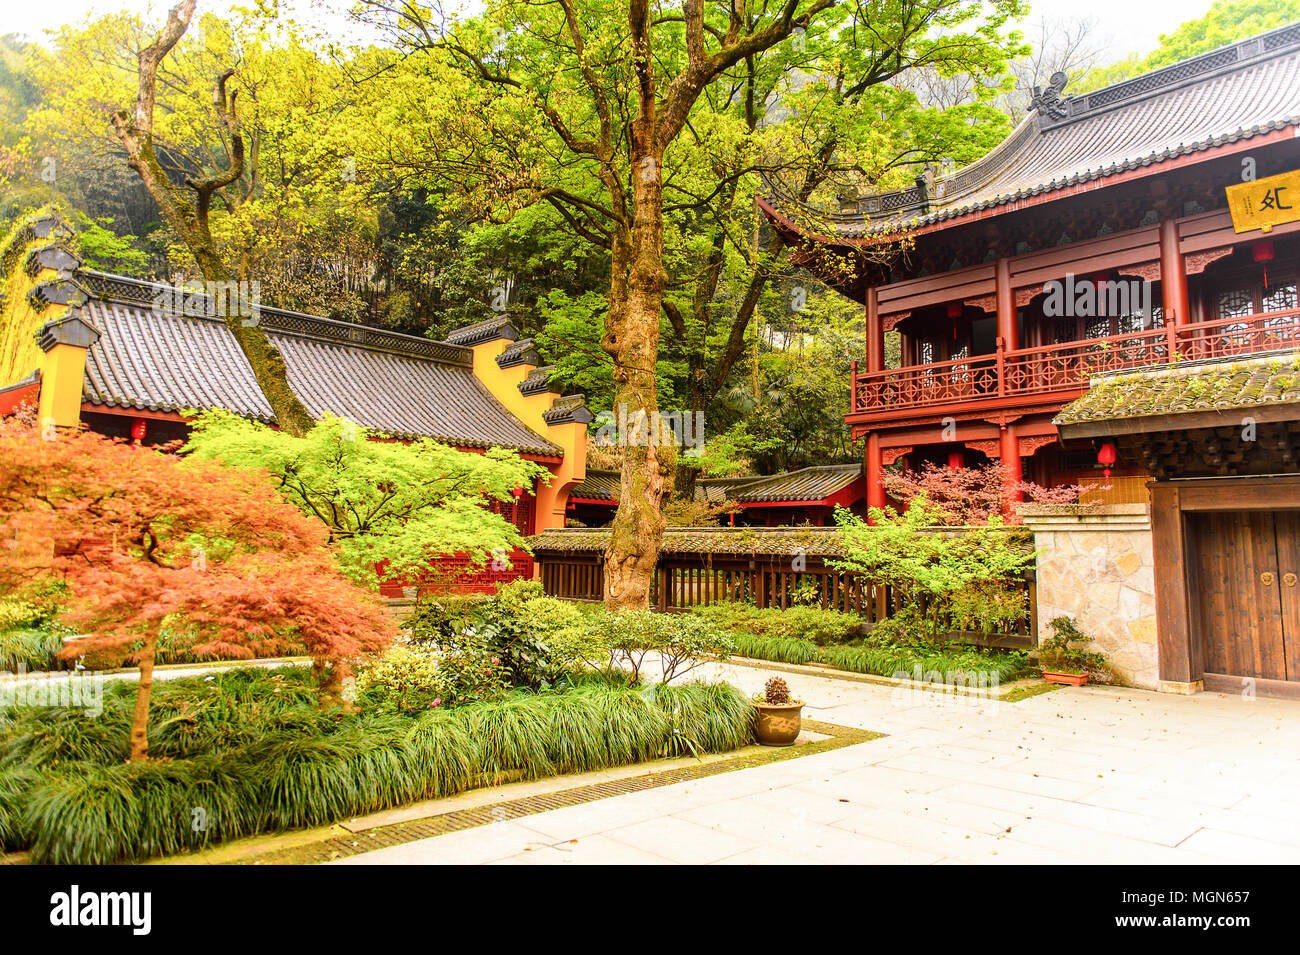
x: 1110, y: 296
x: 131, y: 358
x: 1096, y: 237
x: 807, y: 496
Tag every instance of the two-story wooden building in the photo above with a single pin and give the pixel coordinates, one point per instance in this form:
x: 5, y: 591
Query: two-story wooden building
x: 1092, y: 294
x: 1096, y: 237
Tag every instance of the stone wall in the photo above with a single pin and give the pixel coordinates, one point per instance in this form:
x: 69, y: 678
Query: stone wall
x: 1095, y: 564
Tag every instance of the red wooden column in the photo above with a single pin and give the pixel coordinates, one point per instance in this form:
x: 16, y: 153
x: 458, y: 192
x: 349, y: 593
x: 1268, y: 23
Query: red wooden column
x: 1173, y: 276
x: 875, y: 334
x: 1012, y: 471
x: 874, y: 465
x: 1008, y: 328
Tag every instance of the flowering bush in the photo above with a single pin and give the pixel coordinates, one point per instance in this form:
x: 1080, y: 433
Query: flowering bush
x: 969, y: 496
x: 415, y: 678
x: 406, y: 679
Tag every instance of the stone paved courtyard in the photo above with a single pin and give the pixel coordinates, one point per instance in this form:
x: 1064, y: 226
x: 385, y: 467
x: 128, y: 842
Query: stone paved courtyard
x: 1091, y: 775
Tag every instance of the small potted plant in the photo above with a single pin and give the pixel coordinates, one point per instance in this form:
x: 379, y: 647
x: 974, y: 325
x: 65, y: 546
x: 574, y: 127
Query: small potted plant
x: 779, y: 717
x: 1062, y: 658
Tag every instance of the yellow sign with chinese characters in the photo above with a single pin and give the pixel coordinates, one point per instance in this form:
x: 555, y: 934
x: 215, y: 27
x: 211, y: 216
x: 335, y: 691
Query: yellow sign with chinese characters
x: 1265, y: 203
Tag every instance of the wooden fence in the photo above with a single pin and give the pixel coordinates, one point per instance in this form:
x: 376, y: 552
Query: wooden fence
x: 571, y: 570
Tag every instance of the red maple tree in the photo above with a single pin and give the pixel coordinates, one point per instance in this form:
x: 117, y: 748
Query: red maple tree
x: 970, y: 496
x: 144, y: 539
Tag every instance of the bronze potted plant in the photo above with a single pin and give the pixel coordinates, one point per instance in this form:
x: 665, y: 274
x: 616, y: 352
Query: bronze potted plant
x: 779, y: 717
x: 1062, y: 658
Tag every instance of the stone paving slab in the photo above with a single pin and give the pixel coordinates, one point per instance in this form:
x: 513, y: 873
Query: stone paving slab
x: 1080, y: 776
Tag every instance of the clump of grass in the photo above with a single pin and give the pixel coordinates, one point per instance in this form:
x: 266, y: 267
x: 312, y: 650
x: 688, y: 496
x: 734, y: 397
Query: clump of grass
x: 248, y: 752
x: 777, y: 649
x: 30, y: 650
x: 880, y: 660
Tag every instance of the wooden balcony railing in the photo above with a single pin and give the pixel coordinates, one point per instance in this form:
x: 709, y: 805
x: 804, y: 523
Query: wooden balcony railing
x: 1058, y: 369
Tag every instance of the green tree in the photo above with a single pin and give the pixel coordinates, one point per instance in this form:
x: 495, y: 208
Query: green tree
x: 930, y: 570
x: 386, y: 502
x: 1227, y: 21
x: 647, y: 132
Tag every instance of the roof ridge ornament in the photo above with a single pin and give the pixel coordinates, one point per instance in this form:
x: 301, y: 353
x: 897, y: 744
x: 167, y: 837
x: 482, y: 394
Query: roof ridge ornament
x: 1048, y: 102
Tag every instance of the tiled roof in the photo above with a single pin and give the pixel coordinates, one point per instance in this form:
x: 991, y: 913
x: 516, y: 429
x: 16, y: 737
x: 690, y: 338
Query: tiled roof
x: 571, y: 408
x: 521, y: 352
x: 397, y: 384
x: 1233, y: 93
x: 499, y: 326
x: 807, y: 484
x: 538, y: 380
x: 792, y: 541
x: 1192, y: 387
x: 598, y: 486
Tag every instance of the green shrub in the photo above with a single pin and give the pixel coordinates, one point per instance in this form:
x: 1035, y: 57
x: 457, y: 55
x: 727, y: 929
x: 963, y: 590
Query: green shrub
x: 682, y: 642
x: 258, y: 756
x: 794, y: 623
x: 539, y: 639
x: 1063, y: 652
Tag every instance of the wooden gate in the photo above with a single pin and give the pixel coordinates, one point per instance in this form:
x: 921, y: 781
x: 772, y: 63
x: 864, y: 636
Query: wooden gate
x: 1248, y: 593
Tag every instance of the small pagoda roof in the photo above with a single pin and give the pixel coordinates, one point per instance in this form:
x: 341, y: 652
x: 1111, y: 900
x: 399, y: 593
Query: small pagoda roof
x: 807, y: 484
x: 1237, y: 92
x: 490, y: 329
x: 598, y: 485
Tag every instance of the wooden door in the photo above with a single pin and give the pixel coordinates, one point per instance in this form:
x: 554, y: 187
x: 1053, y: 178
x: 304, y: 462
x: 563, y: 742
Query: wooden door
x: 1239, y: 595
x: 1287, y: 525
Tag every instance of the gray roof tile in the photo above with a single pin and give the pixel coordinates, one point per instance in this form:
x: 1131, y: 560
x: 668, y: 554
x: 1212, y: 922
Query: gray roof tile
x: 162, y: 361
x: 1234, y: 93
x: 498, y: 326
x: 807, y: 484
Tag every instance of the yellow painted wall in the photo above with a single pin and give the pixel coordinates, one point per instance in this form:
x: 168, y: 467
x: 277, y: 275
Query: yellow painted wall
x: 572, y: 437
x: 62, y: 374
x: 19, y: 321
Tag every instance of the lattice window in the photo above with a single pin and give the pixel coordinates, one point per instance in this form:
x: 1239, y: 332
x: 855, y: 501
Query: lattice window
x: 518, y: 512
x: 1280, y: 298
x: 1235, y: 303
x: 1097, y: 328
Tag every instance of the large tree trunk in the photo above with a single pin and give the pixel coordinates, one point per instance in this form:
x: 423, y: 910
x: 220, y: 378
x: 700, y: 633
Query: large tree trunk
x: 190, y: 220
x: 633, y: 340
x: 140, y: 719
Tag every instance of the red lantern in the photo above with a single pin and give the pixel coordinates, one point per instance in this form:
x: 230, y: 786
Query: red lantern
x: 138, y: 429
x: 954, y: 309
x: 1106, y: 457
x: 956, y: 460
x: 1262, y: 251
x: 519, y: 492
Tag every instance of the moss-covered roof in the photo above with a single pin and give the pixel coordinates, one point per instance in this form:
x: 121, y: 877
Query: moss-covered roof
x: 1190, y: 387
x: 734, y: 541
x: 739, y: 541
